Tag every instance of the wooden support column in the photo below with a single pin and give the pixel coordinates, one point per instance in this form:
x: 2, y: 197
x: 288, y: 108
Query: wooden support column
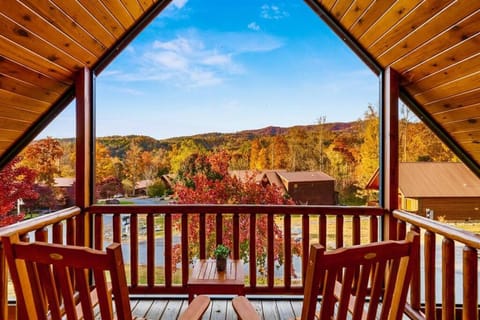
x: 84, y: 170
x: 389, y: 149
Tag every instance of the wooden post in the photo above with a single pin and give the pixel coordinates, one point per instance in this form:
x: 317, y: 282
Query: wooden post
x: 84, y: 169
x: 389, y: 149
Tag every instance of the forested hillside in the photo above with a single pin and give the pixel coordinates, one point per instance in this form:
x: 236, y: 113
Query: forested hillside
x: 346, y: 151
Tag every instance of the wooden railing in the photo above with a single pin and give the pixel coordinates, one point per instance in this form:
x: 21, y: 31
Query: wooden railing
x: 446, y: 286
x: 151, y: 229
x: 149, y: 233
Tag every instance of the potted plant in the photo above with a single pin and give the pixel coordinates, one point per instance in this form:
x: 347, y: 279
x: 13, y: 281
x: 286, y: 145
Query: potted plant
x: 221, y: 253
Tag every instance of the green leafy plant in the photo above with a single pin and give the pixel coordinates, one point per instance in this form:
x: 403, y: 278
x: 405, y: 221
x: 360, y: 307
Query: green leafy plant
x: 221, y: 251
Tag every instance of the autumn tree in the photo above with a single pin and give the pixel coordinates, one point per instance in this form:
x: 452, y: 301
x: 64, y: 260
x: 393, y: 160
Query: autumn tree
x: 108, y: 187
x: 302, y: 153
x: 182, y: 151
x: 16, y: 182
x: 43, y: 156
x: 67, y: 161
x: 132, y: 166
x: 205, y: 179
x: 369, y: 150
x: 279, y: 152
x: 46, y: 199
x: 104, y: 164
x: 240, y: 157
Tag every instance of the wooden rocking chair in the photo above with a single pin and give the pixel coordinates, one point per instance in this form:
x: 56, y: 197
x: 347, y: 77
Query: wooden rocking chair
x: 52, y: 282
x: 347, y: 276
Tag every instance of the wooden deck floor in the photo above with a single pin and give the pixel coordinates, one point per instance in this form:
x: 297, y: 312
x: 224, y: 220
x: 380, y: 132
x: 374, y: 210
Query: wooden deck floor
x: 220, y: 309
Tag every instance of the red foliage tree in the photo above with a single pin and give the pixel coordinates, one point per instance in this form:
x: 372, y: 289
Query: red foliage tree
x: 16, y: 182
x: 205, y: 179
x: 108, y: 187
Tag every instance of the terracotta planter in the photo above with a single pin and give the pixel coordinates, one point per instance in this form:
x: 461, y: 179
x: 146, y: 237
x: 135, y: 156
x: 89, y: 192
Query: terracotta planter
x: 221, y: 264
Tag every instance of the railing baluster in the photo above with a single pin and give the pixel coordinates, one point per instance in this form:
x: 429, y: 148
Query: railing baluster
x: 236, y: 236
x: 150, y: 250
x: 355, y: 230
x: 470, y: 283
x: 305, y: 244
x: 429, y: 275
x: 339, y: 231
x: 202, y: 234
x: 168, y: 250
x: 117, y: 228
x: 57, y: 233
x: 373, y: 229
x: 270, y: 250
x: 134, y: 250
x: 219, y: 228
x: 415, y: 282
x: 253, y: 254
x: 185, y: 257
x: 401, y: 230
x: 287, y: 227
x: 71, y: 231
x: 322, y: 230
x: 99, y: 232
x: 448, y: 279
x: 41, y: 235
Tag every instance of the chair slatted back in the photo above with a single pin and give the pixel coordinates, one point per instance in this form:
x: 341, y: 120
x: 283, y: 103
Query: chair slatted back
x: 52, y: 281
x: 360, y: 279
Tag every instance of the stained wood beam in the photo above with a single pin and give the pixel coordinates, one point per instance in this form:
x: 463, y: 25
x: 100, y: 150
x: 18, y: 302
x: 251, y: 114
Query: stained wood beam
x: 84, y: 169
x: 389, y: 162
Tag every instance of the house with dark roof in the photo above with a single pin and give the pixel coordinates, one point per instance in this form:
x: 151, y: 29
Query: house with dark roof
x: 304, y: 187
x: 439, y: 190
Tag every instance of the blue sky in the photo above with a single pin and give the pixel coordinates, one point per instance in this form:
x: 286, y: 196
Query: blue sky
x: 222, y: 66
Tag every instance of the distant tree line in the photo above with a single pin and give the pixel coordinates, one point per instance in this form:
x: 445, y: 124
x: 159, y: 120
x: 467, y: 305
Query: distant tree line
x: 349, y: 152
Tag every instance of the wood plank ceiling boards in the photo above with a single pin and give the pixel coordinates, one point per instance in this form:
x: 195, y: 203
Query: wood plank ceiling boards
x: 42, y: 46
x: 435, y: 48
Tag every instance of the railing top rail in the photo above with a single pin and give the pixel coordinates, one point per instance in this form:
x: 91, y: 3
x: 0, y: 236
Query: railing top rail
x: 41, y: 221
x: 244, y: 208
x: 468, y: 238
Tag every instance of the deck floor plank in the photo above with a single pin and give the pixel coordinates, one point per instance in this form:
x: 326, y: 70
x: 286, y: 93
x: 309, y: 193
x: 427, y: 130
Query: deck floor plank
x: 141, y: 308
x: 173, y: 309
x: 285, y: 310
x: 219, y: 309
x: 270, y: 310
x: 297, y: 307
x: 156, y: 310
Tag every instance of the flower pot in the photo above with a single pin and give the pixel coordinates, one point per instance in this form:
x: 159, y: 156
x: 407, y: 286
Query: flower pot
x: 221, y: 264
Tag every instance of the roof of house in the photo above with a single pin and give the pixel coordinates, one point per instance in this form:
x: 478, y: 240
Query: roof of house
x: 433, y: 45
x: 305, y: 176
x: 434, y: 179
x: 143, y: 184
x: 64, y: 182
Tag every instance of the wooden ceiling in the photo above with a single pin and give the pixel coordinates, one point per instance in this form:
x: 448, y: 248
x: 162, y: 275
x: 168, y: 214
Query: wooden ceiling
x: 433, y: 44
x: 435, y: 47
x: 43, y: 43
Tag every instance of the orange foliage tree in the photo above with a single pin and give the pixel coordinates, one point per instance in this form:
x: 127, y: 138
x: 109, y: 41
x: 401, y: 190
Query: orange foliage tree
x: 206, y: 179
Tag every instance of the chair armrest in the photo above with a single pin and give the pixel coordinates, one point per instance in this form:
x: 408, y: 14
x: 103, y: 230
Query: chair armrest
x: 196, y: 308
x: 244, y: 309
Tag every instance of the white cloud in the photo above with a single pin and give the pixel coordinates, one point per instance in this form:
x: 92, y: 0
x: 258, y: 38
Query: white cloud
x: 253, y: 26
x: 179, y: 3
x: 194, y: 59
x: 273, y: 12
